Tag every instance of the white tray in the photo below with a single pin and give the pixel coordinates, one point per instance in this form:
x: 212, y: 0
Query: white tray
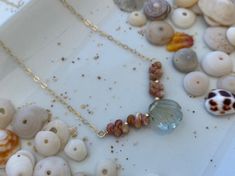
x: 45, y: 31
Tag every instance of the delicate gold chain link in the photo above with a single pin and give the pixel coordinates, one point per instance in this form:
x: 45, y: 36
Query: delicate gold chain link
x: 50, y: 91
x: 94, y: 28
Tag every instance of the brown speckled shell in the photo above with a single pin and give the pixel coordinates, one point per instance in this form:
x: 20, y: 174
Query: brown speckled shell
x: 8, y: 146
x: 157, y: 13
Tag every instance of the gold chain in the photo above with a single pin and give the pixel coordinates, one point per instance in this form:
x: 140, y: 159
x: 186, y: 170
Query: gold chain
x: 94, y: 28
x: 51, y: 92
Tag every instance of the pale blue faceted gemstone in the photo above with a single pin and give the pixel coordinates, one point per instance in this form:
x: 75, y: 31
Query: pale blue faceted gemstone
x: 165, y: 114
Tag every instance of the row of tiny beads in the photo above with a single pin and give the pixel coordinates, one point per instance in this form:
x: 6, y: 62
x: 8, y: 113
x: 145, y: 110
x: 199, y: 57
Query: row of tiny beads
x: 120, y: 127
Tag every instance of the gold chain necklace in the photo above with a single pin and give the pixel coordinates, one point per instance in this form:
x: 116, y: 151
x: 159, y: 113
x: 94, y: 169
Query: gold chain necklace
x: 170, y: 107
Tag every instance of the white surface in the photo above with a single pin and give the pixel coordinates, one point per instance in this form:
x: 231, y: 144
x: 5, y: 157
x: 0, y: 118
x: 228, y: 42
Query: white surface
x: 34, y: 35
x: 7, y: 10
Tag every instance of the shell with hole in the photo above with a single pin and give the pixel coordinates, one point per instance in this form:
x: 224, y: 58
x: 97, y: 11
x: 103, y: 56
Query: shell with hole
x: 29, y: 120
x: 9, y: 144
x: 21, y: 163
x: 221, y: 11
x: 106, y: 168
x: 7, y: 112
x: 76, y: 149
x: 60, y: 128
x: 53, y: 166
x: 47, y: 143
x: 217, y: 64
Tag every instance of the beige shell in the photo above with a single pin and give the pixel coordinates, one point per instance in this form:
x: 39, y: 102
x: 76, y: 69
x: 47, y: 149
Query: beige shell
x: 20, y: 164
x: 222, y: 11
x: 217, y: 64
x: 137, y: 18
x: 185, y: 3
x: 7, y: 112
x: 196, y: 83
x: 210, y: 21
x: 159, y: 32
x: 60, y: 128
x: 47, y: 143
x: 52, y: 166
x: 183, y: 18
x: 231, y: 35
x: 215, y: 38
x: 196, y: 9
x: 106, y: 168
x: 9, y: 144
x: 29, y: 120
x: 28, y: 154
x: 76, y: 149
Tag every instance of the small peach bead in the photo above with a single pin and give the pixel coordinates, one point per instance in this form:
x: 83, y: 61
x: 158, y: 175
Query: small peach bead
x: 138, y: 121
x: 145, y: 120
x: 110, y: 128
x: 131, y: 120
x: 125, y: 128
x: 118, y: 123
x: 117, y: 131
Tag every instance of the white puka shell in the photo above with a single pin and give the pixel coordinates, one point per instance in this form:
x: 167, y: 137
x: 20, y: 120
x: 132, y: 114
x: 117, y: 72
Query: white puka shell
x: 19, y: 165
x: 217, y: 64
x: 28, y: 154
x: 231, y: 35
x: 183, y: 18
x: 29, y: 120
x: 52, y: 166
x: 47, y: 143
x: 60, y: 128
x: 7, y: 112
x: 76, y: 149
x: 106, y: 168
x: 196, y: 83
x: 137, y: 18
x: 227, y: 83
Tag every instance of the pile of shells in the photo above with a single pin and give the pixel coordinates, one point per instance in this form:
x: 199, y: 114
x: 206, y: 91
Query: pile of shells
x: 50, y: 137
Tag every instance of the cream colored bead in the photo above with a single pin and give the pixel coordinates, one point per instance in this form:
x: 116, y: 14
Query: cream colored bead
x: 183, y: 18
x: 231, y: 35
x: 137, y: 19
x: 47, y: 143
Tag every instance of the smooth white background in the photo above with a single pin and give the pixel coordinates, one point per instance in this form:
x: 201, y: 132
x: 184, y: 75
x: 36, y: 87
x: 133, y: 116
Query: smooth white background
x: 45, y: 31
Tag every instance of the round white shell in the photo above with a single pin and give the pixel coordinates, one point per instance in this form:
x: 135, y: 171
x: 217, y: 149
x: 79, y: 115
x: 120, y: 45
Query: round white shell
x: 231, y: 35
x: 29, y: 120
x: 106, y: 168
x: 61, y: 129
x: 7, y: 112
x: 185, y: 3
x: 27, y: 154
x: 52, y: 166
x: 217, y: 64
x: 47, y: 143
x: 227, y: 83
x: 76, y: 149
x: 19, y: 165
x: 196, y: 83
x: 183, y: 18
x: 137, y: 18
